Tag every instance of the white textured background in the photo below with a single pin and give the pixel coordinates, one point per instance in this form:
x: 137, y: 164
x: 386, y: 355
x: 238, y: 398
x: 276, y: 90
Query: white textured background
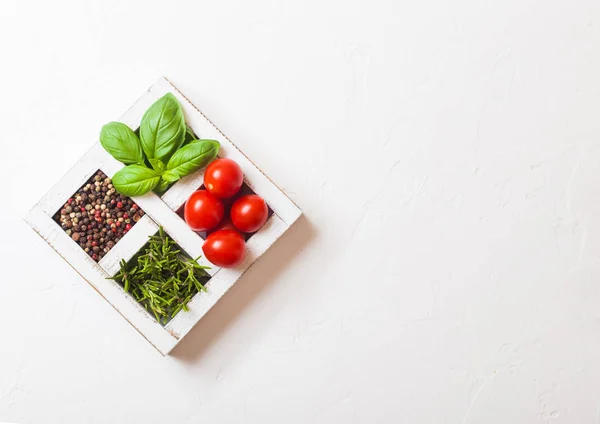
x: 446, y: 156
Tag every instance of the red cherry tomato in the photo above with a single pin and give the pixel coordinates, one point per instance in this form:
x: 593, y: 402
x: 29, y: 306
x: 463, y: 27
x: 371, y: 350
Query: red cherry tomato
x: 223, y: 178
x: 225, y: 248
x: 203, y: 211
x: 249, y: 213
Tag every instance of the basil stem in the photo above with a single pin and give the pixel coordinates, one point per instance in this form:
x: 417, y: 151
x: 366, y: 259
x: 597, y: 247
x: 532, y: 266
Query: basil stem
x: 157, y: 165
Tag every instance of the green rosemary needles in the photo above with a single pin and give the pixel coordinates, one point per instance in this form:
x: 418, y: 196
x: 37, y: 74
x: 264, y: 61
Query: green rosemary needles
x: 162, y: 278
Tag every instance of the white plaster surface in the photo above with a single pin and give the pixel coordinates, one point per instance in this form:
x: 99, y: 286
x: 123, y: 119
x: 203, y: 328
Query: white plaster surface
x: 446, y: 156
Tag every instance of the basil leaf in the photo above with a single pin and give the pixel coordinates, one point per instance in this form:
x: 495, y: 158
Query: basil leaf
x: 122, y: 143
x: 158, y: 165
x: 170, y: 175
x: 194, y: 156
x: 163, y: 128
x: 135, y: 180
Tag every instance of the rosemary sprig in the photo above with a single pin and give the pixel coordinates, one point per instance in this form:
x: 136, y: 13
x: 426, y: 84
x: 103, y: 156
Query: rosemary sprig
x: 162, y: 279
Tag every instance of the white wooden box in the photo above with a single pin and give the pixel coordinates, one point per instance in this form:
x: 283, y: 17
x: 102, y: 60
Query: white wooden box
x: 160, y: 211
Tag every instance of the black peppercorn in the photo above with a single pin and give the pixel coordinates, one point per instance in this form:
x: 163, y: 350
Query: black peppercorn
x: 91, y: 215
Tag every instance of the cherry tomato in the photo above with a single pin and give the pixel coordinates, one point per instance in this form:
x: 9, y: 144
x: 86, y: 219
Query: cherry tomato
x: 225, y: 248
x: 223, y: 178
x: 203, y: 211
x: 249, y: 213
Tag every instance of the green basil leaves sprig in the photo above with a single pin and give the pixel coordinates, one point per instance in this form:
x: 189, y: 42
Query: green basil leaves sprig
x: 165, y: 151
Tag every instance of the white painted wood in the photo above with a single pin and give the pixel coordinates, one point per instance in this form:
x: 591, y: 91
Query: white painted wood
x: 181, y: 191
x: 162, y: 214
x: 129, y: 245
x: 160, y: 211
